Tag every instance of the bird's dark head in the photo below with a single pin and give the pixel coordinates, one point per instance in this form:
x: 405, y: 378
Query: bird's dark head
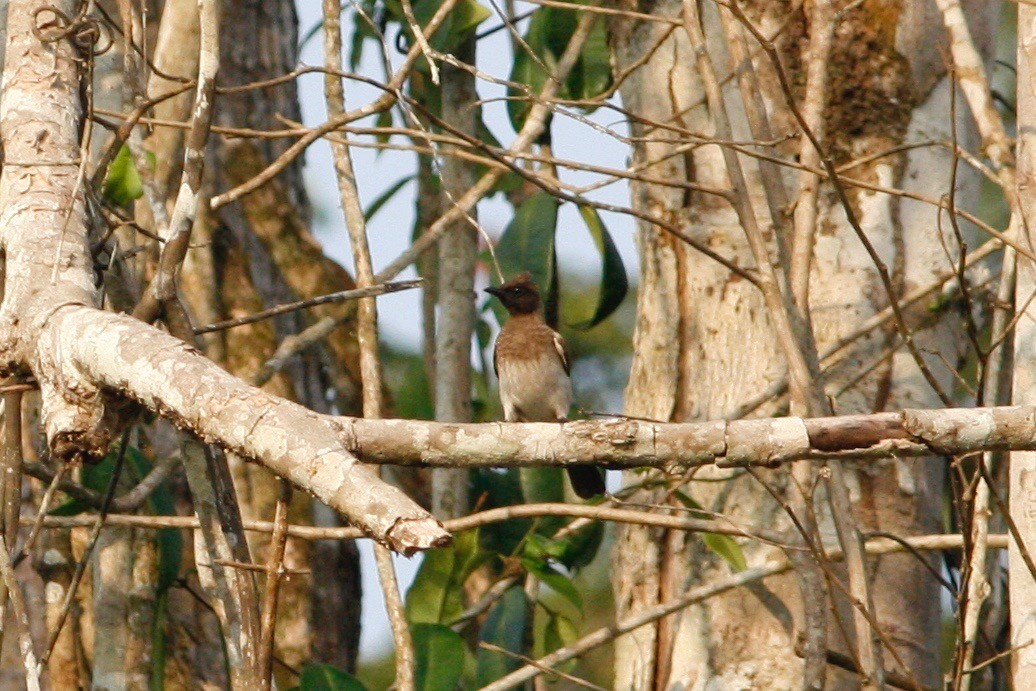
x: 519, y: 295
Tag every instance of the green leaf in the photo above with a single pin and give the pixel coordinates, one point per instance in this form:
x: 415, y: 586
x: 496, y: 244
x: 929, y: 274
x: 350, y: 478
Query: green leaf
x: 123, y: 184
x: 558, y: 632
x: 614, y: 284
x: 437, y: 594
x: 505, y: 628
x: 528, y: 244
x: 328, y: 678
x: 558, y: 582
x: 362, y: 30
x: 722, y: 545
x: 386, y: 196
x: 500, y: 488
x: 384, y: 119
x: 580, y: 547
x: 458, y: 26
x: 726, y: 547
x: 542, y: 485
x: 524, y: 71
x: 440, y: 657
x: 549, y: 33
x: 592, y: 74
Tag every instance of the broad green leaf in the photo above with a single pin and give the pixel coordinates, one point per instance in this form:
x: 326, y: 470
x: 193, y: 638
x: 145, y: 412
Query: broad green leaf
x: 525, y: 70
x: 722, y: 545
x: 558, y: 582
x: 580, y: 547
x: 504, y: 627
x: 549, y: 33
x: 437, y: 594
x: 385, y: 197
x: 558, y: 632
x: 440, y: 657
x: 528, y: 241
x: 542, y: 485
x: 123, y: 184
x: 497, y: 488
x: 614, y: 284
x: 592, y: 75
x: 328, y: 678
x: 543, y: 547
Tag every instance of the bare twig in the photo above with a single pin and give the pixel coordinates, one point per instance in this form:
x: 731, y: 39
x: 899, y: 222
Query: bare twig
x: 26, y: 648
x: 367, y: 317
x: 332, y: 298
x: 274, y: 570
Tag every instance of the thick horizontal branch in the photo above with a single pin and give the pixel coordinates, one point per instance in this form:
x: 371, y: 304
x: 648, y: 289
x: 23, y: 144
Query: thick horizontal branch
x: 117, y: 353
x: 625, y: 443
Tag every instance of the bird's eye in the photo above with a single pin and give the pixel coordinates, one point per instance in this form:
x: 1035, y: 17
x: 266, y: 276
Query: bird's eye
x: 515, y: 291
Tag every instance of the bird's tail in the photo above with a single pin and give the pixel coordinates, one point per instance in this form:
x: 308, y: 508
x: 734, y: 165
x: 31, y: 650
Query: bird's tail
x: 587, y: 480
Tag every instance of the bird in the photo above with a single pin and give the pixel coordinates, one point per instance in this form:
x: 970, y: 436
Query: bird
x: 531, y: 362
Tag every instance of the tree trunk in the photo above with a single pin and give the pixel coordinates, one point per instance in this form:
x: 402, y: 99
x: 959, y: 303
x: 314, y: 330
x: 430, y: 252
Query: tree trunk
x: 704, y: 343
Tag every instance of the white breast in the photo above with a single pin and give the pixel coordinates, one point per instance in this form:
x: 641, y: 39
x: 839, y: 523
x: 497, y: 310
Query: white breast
x: 535, y: 390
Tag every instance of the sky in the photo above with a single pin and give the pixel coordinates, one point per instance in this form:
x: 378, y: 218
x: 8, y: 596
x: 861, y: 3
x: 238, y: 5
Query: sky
x: 389, y: 232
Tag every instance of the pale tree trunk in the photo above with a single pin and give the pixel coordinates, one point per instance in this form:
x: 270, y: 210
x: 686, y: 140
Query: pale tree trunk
x: 1022, y: 473
x: 704, y: 344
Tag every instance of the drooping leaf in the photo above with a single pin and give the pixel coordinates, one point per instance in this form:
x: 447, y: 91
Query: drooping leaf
x: 549, y: 33
x: 614, y: 283
x: 440, y: 657
x: 722, y: 545
x: 726, y: 547
x: 557, y: 581
x: 495, y: 488
x: 385, y: 197
x: 529, y: 73
x: 581, y: 546
x: 528, y: 244
x: 505, y: 628
x: 592, y: 75
x: 437, y: 594
x: 328, y: 678
x: 123, y: 184
x: 558, y: 632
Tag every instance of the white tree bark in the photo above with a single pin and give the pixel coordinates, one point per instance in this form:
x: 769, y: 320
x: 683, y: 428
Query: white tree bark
x: 1022, y: 474
x: 887, y: 87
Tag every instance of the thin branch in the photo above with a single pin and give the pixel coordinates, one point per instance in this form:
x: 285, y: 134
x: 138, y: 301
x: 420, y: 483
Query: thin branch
x: 367, y: 315
x: 25, y: 646
x: 331, y: 298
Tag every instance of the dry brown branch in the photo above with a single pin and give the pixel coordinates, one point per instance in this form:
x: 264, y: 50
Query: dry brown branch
x: 332, y: 298
x: 274, y: 572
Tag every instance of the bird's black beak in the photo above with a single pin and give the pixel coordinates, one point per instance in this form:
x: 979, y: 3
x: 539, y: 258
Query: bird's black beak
x: 494, y: 291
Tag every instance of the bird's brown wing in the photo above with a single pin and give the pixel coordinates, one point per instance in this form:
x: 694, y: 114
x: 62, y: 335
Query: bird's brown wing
x: 559, y: 345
